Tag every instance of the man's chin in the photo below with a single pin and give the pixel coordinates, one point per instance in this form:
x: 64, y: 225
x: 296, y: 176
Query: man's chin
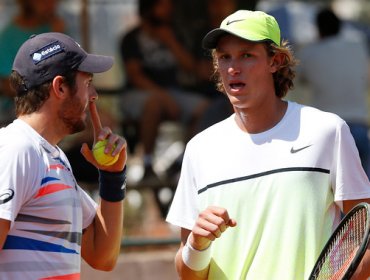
x: 78, y: 127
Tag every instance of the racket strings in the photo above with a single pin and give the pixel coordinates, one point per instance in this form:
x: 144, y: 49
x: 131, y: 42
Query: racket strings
x: 343, y: 248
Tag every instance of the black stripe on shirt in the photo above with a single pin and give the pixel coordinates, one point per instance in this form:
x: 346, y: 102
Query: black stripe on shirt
x: 280, y: 170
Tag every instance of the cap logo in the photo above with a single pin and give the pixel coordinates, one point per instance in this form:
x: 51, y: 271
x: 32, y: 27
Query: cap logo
x: 235, y: 20
x: 46, y: 52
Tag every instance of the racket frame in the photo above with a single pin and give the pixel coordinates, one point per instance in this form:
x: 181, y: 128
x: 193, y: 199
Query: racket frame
x: 360, y: 252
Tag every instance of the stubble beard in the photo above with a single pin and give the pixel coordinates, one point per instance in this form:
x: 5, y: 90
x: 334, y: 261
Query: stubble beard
x: 70, y: 115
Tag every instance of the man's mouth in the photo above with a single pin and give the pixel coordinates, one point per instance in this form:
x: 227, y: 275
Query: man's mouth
x: 236, y: 86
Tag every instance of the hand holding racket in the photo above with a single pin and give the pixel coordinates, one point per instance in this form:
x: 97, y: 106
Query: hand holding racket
x: 346, y: 247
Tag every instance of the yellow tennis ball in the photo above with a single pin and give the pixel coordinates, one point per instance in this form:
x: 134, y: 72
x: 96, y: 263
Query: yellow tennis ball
x: 101, y: 157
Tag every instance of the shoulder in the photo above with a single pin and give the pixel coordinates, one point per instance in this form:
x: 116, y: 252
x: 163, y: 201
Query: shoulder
x: 129, y: 42
x: 131, y: 34
x: 214, y: 134
x: 316, y: 119
x: 313, y: 112
x: 16, y: 142
x: 317, y: 114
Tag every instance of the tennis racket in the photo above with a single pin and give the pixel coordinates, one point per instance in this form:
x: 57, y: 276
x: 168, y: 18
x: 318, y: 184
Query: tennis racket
x: 345, y: 248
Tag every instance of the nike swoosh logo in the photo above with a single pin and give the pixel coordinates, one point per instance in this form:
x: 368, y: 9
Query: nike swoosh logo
x: 293, y: 151
x: 235, y: 20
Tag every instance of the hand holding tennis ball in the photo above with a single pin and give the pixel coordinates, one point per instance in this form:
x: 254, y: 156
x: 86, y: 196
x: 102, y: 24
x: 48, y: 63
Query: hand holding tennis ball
x: 105, y: 140
x: 102, y: 157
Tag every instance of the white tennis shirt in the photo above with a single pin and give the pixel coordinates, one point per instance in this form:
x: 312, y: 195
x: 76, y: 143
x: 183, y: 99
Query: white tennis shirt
x: 280, y: 186
x: 47, y: 209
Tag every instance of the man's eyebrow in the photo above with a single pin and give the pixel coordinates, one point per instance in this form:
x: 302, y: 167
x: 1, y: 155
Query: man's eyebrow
x: 242, y: 49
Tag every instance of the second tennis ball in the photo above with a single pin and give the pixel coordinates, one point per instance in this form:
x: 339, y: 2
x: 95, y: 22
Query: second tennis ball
x: 101, y: 157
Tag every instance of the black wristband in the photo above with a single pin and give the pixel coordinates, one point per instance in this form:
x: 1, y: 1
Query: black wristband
x: 112, y: 185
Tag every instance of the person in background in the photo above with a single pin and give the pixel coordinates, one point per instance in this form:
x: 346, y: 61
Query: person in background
x: 153, y: 57
x: 216, y: 10
x: 33, y: 17
x: 219, y: 107
x: 336, y: 71
x: 47, y: 221
x: 261, y: 192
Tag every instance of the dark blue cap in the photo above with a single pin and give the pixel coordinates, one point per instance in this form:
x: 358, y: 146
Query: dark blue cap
x: 44, y: 56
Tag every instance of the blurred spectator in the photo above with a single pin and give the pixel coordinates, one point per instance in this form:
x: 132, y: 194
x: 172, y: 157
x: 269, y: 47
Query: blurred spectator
x: 220, y: 107
x: 217, y: 10
x: 336, y: 69
x: 33, y: 17
x: 153, y: 57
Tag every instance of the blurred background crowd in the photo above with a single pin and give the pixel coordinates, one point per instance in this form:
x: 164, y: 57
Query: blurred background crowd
x: 160, y: 91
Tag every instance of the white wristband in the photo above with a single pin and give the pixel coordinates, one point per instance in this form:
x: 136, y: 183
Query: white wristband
x: 196, y: 260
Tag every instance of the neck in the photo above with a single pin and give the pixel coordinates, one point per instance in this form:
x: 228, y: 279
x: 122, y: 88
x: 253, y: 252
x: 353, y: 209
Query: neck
x: 261, y: 119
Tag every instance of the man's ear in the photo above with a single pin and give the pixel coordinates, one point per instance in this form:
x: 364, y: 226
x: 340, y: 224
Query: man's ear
x: 59, y: 87
x: 277, y: 61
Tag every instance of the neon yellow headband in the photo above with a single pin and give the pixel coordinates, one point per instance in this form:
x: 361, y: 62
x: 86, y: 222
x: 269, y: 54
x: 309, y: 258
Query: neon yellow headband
x: 255, y: 26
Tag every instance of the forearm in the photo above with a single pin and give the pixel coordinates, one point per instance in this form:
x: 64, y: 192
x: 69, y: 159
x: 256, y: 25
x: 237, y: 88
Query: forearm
x: 185, y: 272
x: 194, y: 256
x: 108, y: 233
x: 4, y: 229
x: 149, y: 86
x: 102, y: 240
x: 363, y: 270
x: 144, y: 83
x: 183, y: 57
